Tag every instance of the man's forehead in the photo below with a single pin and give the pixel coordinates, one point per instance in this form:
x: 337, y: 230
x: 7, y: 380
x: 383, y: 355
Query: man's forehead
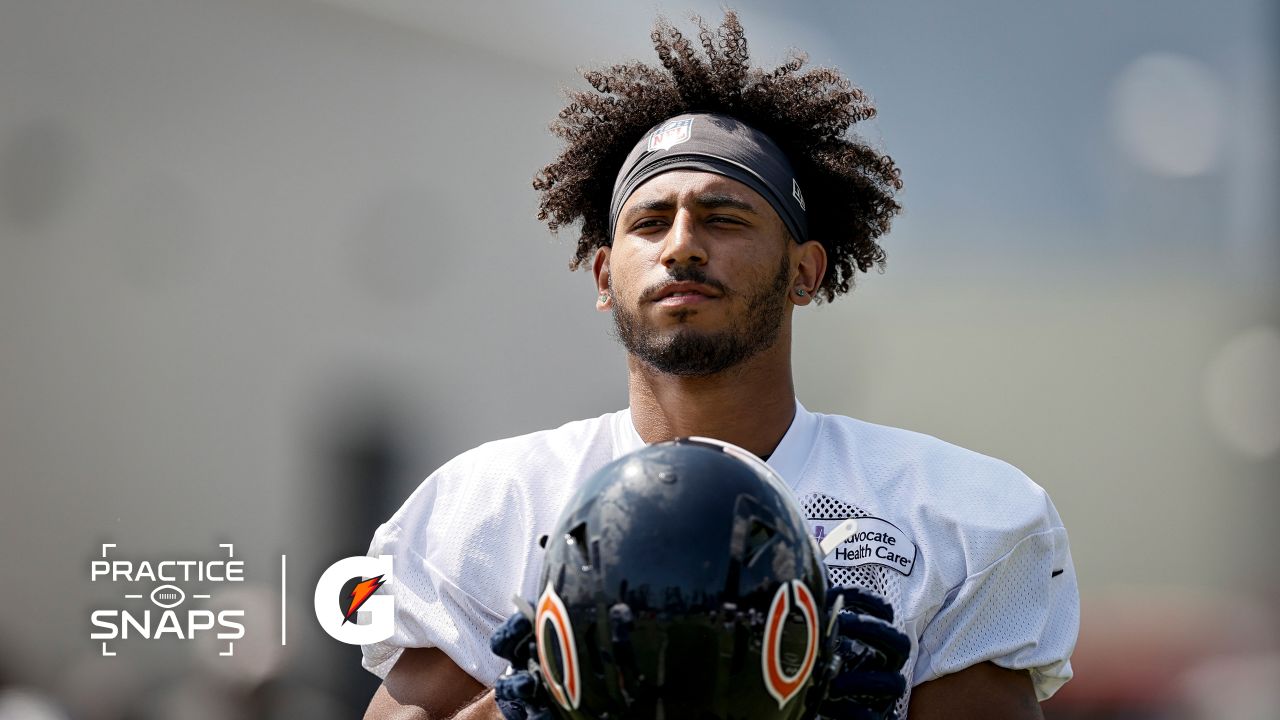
x: 720, y: 152
x: 695, y: 183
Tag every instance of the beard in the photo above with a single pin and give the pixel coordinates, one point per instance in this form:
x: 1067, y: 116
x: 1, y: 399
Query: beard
x: 689, y: 352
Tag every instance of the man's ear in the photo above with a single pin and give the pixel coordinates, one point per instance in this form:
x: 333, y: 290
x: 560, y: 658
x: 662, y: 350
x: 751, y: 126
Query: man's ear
x: 811, y: 267
x: 600, y: 268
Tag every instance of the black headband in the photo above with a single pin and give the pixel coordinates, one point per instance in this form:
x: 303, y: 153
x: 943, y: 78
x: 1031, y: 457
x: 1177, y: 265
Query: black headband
x: 721, y: 145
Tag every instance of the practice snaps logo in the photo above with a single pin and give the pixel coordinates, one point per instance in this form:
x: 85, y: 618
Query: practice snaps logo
x: 168, y: 619
x: 348, y: 604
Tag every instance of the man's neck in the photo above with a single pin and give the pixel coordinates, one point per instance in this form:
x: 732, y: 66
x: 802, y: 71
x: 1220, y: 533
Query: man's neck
x: 750, y: 405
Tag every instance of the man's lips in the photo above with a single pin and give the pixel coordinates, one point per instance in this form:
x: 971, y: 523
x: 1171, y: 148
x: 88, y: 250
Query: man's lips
x: 681, y: 300
x: 684, y: 293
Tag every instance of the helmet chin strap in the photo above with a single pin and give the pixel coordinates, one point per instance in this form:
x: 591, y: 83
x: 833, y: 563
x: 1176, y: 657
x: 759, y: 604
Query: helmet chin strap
x: 523, y: 606
x: 838, y: 535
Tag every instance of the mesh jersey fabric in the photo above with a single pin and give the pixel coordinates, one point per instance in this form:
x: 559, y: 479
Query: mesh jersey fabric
x: 991, y: 577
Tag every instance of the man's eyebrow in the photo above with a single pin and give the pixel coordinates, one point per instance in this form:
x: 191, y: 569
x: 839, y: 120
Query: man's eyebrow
x: 711, y: 201
x: 657, y: 204
x: 705, y: 201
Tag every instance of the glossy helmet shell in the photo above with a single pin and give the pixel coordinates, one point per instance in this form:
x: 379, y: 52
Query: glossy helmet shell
x: 681, y: 582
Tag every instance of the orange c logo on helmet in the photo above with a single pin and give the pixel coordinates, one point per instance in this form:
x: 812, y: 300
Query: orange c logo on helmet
x: 551, y: 612
x: 781, y: 685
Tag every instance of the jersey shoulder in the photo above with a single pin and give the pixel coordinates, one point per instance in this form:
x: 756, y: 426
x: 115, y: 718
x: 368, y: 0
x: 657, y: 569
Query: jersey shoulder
x: 943, y: 485
x: 517, y: 469
x: 564, y: 445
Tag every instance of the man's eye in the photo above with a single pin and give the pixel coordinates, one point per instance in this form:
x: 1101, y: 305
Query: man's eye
x: 647, y: 223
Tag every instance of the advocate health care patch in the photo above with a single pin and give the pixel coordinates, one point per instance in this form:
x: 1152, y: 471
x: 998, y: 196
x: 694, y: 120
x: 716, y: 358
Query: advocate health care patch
x: 877, y: 542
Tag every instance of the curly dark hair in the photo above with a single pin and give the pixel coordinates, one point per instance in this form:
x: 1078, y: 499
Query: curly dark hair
x: 849, y: 186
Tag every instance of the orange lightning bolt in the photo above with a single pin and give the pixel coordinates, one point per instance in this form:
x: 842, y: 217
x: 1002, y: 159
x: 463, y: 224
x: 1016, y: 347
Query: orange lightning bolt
x: 360, y: 594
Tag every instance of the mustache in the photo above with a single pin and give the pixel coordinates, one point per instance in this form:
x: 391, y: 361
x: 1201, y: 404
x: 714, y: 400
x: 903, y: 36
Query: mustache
x: 685, y: 273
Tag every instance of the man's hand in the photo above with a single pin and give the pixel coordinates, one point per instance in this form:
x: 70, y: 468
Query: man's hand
x: 520, y: 694
x: 867, y: 679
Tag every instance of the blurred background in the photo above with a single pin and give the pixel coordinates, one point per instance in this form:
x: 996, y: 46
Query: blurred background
x: 265, y: 264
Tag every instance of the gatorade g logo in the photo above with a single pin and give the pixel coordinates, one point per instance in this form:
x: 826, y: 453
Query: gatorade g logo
x: 784, y: 685
x: 552, y: 626
x: 346, y: 605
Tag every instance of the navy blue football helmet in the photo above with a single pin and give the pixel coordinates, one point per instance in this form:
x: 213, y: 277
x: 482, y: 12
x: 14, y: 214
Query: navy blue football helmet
x: 681, y: 581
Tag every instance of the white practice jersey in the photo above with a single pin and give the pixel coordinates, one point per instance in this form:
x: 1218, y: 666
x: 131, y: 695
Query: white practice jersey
x: 970, y: 552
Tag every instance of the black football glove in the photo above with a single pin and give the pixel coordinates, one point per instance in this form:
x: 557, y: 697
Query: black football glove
x: 521, y: 694
x: 865, y: 675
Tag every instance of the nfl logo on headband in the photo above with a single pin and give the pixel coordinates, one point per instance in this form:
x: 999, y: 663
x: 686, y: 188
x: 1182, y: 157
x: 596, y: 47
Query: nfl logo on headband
x: 670, y: 133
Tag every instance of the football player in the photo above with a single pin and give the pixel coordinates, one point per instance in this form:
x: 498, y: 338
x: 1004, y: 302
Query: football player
x: 714, y: 201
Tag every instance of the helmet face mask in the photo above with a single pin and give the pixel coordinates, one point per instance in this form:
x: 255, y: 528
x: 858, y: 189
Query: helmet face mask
x: 682, y: 582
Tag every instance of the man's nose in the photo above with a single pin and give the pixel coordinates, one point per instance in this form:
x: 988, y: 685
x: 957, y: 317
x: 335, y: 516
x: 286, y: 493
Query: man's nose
x: 685, y: 243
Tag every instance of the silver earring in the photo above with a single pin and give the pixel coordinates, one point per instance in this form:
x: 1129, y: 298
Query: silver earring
x: 604, y: 297
x: 801, y: 292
